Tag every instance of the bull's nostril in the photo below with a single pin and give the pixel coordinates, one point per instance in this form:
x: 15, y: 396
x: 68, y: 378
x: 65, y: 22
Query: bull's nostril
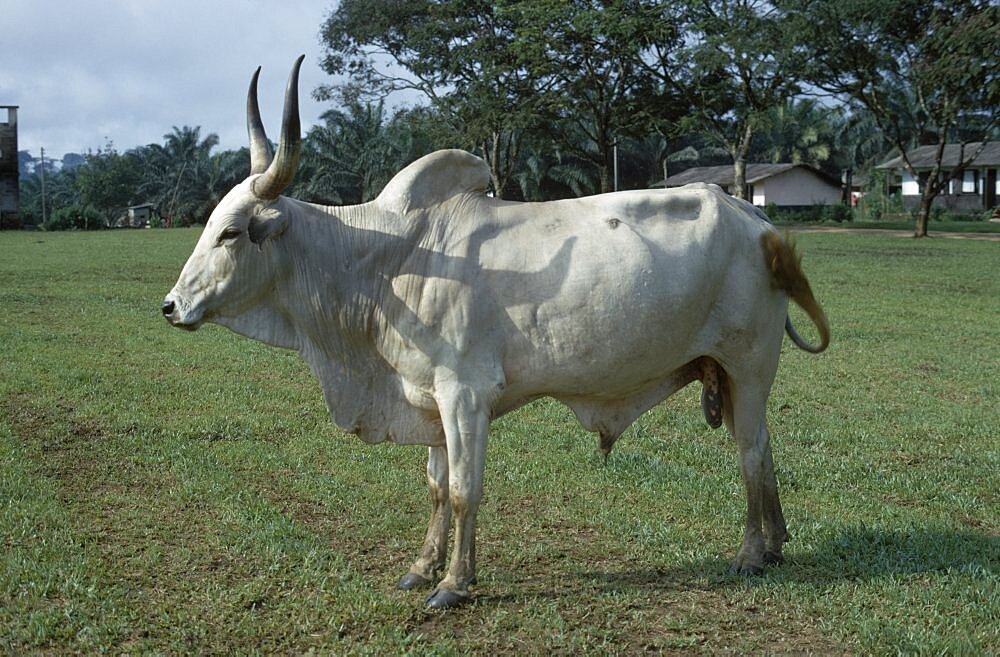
x: 168, y: 307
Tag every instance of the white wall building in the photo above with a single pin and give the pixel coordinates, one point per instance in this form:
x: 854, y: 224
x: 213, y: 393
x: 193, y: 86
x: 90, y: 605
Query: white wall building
x: 975, y: 188
x: 785, y: 185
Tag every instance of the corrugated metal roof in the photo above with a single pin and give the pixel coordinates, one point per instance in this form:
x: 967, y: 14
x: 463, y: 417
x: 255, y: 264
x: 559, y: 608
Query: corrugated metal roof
x: 923, y: 157
x: 723, y: 175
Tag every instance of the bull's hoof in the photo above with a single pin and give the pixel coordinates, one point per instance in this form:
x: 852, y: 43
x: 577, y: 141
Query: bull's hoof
x: 745, y: 568
x: 773, y: 558
x: 445, y: 599
x: 411, y: 581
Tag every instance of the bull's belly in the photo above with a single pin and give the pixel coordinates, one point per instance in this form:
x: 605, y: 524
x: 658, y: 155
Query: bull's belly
x: 613, y: 306
x: 611, y: 352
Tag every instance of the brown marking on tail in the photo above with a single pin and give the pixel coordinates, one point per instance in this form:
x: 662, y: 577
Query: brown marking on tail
x: 785, y: 267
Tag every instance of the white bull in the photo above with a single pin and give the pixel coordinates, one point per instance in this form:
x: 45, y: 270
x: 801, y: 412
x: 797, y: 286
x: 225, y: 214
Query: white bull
x: 434, y: 309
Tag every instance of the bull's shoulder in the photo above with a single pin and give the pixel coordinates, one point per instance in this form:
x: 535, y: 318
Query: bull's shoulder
x: 435, y: 178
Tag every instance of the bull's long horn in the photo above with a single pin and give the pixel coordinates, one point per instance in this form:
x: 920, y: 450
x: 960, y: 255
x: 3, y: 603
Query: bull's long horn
x: 282, y: 168
x: 260, y: 147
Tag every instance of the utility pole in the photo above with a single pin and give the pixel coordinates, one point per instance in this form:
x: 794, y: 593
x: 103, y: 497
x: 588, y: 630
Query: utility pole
x: 43, y: 188
x: 615, y: 149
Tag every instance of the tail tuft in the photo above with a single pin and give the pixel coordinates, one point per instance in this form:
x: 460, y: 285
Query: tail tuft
x: 785, y: 267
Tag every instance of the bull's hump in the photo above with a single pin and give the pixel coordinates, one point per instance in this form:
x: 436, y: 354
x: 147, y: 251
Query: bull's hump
x: 435, y: 178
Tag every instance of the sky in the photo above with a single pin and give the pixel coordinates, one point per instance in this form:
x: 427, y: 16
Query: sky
x: 87, y: 71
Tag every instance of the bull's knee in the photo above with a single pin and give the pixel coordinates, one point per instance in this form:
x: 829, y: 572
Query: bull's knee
x: 711, y: 392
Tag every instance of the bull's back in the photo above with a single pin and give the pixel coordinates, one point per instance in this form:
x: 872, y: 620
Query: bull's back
x: 607, y: 293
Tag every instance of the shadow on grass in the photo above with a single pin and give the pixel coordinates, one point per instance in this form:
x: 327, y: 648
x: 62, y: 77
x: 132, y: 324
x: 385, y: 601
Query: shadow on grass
x: 862, y: 553
x: 857, y: 553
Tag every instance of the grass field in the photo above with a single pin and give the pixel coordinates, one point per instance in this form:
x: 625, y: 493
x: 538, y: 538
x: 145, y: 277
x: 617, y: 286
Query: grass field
x: 934, y: 227
x: 987, y: 227
x: 169, y: 492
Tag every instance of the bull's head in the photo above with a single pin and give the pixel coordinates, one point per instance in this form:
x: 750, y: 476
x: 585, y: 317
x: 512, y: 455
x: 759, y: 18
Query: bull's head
x: 227, y: 270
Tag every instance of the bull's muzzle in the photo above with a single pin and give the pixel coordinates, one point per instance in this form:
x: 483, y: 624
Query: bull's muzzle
x: 173, y: 314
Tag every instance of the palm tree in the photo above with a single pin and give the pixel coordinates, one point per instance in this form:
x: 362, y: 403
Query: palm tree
x: 860, y: 143
x: 60, y: 192
x: 546, y: 172
x: 798, y: 131
x: 184, y: 168
x: 351, y: 156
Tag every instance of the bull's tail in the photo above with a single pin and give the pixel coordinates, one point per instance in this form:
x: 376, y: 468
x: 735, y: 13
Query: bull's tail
x: 786, y: 274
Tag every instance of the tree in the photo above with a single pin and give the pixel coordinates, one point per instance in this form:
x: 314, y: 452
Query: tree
x: 189, y: 170
x: 182, y: 177
x: 71, y: 161
x: 798, y: 131
x: 859, y: 143
x: 60, y: 191
x: 25, y: 163
x: 107, y: 182
x: 348, y: 158
x: 502, y: 72
x: 925, y: 70
x: 545, y: 173
x: 456, y: 54
x: 351, y: 156
x: 738, y: 66
x: 589, y: 58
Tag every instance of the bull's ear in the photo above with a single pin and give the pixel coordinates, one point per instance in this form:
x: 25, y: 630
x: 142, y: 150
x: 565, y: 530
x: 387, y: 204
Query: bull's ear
x: 267, y: 224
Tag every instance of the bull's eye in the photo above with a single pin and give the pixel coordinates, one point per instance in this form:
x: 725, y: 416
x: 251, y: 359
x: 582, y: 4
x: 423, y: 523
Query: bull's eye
x: 229, y: 234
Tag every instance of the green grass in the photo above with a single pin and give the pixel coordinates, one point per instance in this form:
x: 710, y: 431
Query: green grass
x: 169, y: 492
x: 986, y: 227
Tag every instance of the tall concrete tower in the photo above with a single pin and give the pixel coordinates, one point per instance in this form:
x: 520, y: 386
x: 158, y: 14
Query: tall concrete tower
x: 9, y: 191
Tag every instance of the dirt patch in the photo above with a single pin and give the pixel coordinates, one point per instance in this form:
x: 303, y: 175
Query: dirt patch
x: 804, y: 228
x: 165, y: 561
x: 577, y: 574
x: 151, y: 556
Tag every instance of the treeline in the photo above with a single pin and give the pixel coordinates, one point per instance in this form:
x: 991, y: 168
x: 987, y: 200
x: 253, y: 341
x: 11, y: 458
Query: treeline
x: 354, y: 152
x: 548, y: 92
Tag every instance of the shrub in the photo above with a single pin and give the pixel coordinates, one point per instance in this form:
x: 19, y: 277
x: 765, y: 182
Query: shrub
x: 28, y: 218
x: 75, y: 217
x: 870, y: 207
x: 945, y: 215
x: 10, y: 221
x: 837, y: 212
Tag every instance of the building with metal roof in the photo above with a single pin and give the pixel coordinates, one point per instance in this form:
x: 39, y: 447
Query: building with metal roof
x: 977, y: 187
x: 786, y: 184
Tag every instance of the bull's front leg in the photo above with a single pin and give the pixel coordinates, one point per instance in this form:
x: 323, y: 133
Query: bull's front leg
x: 465, y: 416
x: 432, y: 557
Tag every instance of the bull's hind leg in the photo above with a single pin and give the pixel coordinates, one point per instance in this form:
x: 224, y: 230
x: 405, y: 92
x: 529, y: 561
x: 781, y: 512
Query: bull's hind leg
x: 744, y: 412
x: 775, y: 530
x: 432, y: 557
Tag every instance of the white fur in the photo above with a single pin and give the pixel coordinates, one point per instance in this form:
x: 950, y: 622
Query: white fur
x: 433, y: 309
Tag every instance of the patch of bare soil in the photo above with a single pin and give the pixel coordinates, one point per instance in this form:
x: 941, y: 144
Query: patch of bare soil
x: 578, y: 573
x: 805, y: 228
x: 153, y: 555
x: 534, y: 574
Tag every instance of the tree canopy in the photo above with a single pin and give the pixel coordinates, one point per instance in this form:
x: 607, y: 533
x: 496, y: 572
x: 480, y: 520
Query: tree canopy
x: 549, y: 92
x: 925, y: 70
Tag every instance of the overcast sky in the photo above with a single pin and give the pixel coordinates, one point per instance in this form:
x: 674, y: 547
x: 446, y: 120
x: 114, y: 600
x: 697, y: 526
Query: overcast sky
x: 85, y: 71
